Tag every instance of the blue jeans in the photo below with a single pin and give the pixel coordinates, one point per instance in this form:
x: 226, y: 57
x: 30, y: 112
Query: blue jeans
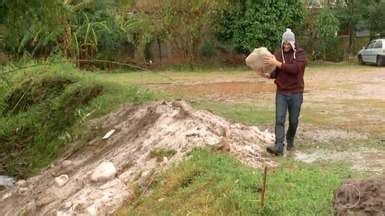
x: 286, y: 102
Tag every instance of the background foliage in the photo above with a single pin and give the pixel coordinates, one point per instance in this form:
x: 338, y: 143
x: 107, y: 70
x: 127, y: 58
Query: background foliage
x: 129, y: 30
x: 251, y: 23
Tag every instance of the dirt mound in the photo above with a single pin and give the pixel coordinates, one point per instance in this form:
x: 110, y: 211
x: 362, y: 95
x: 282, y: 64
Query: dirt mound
x: 138, y: 142
x: 364, y: 197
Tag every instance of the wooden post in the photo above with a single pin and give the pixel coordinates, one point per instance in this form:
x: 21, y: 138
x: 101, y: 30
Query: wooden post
x: 263, y: 187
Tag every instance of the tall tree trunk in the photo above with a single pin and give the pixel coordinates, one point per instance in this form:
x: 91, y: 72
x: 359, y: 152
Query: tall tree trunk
x: 351, y: 32
x: 160, y: 51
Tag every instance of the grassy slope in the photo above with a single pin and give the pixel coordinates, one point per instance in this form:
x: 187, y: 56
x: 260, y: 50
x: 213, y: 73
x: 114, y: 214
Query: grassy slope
x: 32, y: 138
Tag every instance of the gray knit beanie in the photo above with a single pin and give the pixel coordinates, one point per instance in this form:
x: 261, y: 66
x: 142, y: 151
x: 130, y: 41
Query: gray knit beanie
x: 288, y: 37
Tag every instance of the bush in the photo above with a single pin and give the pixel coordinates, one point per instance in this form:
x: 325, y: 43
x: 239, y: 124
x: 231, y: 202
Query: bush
x: 35, y: 114
x: 207, y: 49
x: 45, y: 109
x: 31, y: 92
x: 250, y: 24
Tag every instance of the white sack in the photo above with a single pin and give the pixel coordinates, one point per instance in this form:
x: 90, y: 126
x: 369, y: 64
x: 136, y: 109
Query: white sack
x: 255, y: 61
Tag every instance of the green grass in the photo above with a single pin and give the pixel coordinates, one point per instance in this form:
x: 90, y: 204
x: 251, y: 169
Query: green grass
x: 45, y: 109
x: 168, y: 77
x: 240, y: 112
x: 211, y: 183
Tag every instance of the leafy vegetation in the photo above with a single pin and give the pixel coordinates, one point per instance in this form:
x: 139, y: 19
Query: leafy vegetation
x: 32, y: 27
x: 249, y: 24
x: 82, y: 29
x: 128, y: 31
x: 98, y: 29
x: 376, y: 19
x: 352, y: 15
x: 328, y: 26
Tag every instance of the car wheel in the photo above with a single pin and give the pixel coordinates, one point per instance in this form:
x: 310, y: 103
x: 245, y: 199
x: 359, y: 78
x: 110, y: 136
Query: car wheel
x: 360, y: 61
x: 380, y: 60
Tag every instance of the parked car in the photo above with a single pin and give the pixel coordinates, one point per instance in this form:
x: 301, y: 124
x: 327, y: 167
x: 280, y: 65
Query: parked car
x: 373, y: 53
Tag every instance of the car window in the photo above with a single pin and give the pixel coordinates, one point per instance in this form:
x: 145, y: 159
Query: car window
x: 371, y: 44
x: 378, y: 45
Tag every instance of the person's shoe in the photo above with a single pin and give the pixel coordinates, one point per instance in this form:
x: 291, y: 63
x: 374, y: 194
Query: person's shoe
x: 290, y: 145
x: 274, y: 150
x: 290, y: 148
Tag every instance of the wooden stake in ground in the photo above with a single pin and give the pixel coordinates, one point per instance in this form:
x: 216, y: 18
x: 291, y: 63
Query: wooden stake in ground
x: 263, y: 187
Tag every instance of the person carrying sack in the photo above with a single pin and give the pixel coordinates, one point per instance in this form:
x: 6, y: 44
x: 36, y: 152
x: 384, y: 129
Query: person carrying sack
x: 290, y: 63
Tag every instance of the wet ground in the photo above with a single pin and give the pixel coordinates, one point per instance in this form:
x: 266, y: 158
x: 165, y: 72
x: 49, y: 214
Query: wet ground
x: 342, y: 115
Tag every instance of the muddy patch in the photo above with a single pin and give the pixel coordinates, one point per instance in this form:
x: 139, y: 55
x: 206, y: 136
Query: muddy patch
x: 362, y: 160
x: 361, y: 197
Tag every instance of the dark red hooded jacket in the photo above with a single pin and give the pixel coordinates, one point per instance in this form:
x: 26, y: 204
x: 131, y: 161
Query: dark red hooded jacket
x: 289, y: 78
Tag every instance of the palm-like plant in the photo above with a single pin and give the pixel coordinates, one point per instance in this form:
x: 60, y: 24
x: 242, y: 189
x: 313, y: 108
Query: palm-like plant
x: 78, y: 28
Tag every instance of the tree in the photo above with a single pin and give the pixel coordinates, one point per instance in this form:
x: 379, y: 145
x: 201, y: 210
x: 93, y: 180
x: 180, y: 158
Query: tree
x: 3, y: 11
x: 327, y: 26
x: 31, y: 24
x: 75, y: 27
x: 377, y: 19
x: 188, y: 22
x: 87, y: 28
x: 250, y: 23
x: 350, y: 14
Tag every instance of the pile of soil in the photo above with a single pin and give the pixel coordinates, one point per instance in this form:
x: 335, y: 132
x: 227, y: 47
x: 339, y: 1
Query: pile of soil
x: 361, y: 197
x: 139, y: 141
